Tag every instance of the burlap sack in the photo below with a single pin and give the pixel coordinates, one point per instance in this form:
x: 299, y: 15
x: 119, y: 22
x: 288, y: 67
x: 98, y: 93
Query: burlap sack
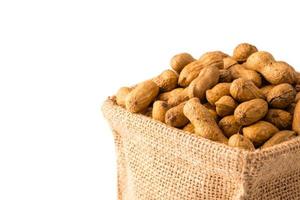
x: 157, y: 162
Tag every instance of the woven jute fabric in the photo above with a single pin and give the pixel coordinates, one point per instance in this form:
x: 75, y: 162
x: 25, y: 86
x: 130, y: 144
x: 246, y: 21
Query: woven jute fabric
x: 158, y: 162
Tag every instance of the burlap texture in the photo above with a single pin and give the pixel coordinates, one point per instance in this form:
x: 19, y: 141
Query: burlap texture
x: 157, y: 162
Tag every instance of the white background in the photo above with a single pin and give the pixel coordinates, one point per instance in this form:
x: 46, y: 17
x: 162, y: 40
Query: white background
x: 60, y: 59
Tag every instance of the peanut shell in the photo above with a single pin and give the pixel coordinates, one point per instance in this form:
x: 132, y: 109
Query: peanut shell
x: 180, y: 97
x: 179, y: 61
x: 175, y: 117
x: 121, y: 95
x: 279, y: 137
x: 251, y: 111
x: 244, y: 90
x: 208, y: 78
x: 229, y: 125
x: 225, y: 106
x: 218, y: 91
x: 280, y: 118
x: 243, y: 51
x: 296, y: 119
x: 259, y: 132
x: 204, y: 123
x: 281, y: 96
x: 159, y: 110
x: 266, y: 89
x: 141, y: 96
x: 167, y: 95
x: 241, y: 142
x: 225, y: 76
x: 166, y: 81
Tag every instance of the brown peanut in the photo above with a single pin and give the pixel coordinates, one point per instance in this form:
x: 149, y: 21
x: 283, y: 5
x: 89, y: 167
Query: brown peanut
x: 159, y: 110
x: 214, y: 56
x: 225, y: 76
x: 244, y: 90
x: 182, y: 96
x: 204, y: 123
x: 179, y: 61
x: 192, y: 70
x: 167, y: 95
x: 275, y: 72
x: 141, y: 96
x: 266, y: 89
x: 166, y: 81
x: 243, y: 51
x: 229, y: 125
x: 241, y: 142
x: 208, y: 78
x: 175, y: 117
x: 281, y: 96
x: 225, y: 106
x: 260, y: 132
x: 280, y: 118
x: 121, y: 95
x: 218, y: 91
x: 251, y: 111
x: 240, y: 71
x: 296, y: 119
x: 279, y: 137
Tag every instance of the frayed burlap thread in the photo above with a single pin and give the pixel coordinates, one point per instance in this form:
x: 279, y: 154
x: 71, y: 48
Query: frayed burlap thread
x: 158, y: 162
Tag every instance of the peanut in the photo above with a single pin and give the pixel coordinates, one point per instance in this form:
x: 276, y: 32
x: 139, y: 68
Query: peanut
x: 121, y: 95
x: 244, y: 90
x: 208, y: 78
x: 240, y: 71
x: 279, y: 137
x: 204, y: 123
x: 240, y: 141
x: 192, y: 70
x: 167, y: 95
x: 175, y: 117
x: 266, y: 89
x: 259, y: 132
x: 166, y: 81
x: 182, y: 96
x: 281, y: 96
x: 251, y: 111
x: 229, y: 125
x: 296, y: 119
x: 280, y: 118
x: 243, y: 51
x: 141, y: 96
x: 225, y: 106
x: 179, y: 61
x: 159, y: 110
x: 225, y: 76
x: 275, y: 72
x: 214, y: 55
x: 218, y: 91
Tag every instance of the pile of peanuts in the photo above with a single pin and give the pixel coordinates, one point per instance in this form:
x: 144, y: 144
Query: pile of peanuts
x: 247, y: 100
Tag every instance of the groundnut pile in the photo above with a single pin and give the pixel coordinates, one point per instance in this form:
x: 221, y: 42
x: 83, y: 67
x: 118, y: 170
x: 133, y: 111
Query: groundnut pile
x: 248, y: 100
